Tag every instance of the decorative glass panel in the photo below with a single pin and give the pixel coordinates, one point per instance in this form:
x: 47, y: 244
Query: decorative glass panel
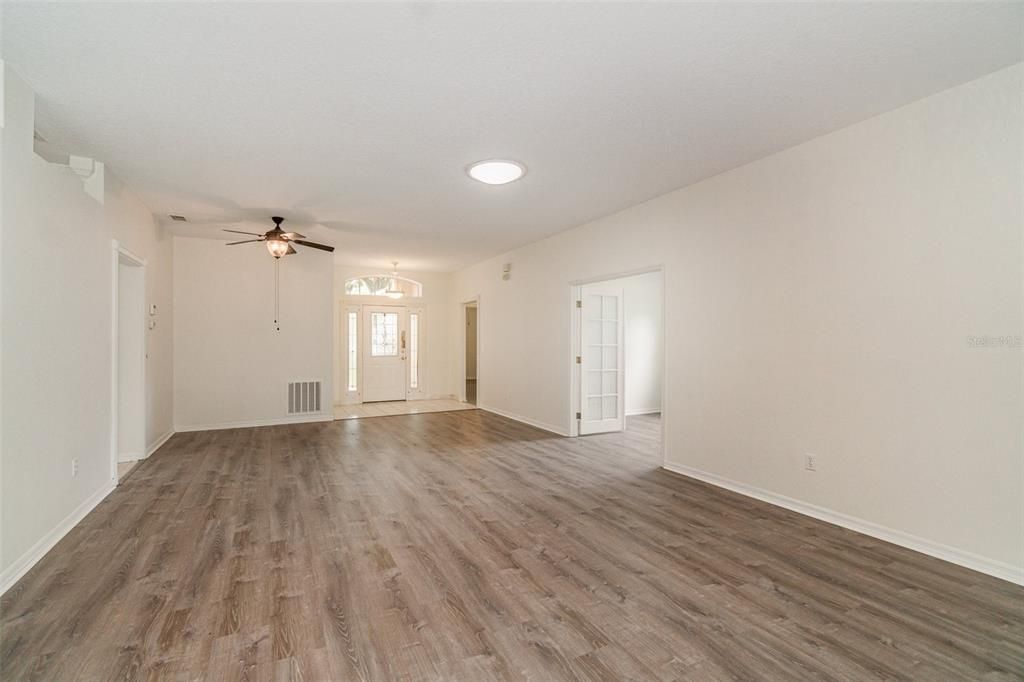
x: 414, y: 350
x: 384, y: 334
x: 353, y: 374
x: 379, y: 285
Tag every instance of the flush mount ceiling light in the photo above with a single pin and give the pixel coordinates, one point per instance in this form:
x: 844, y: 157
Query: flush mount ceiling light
x: 496, y: 171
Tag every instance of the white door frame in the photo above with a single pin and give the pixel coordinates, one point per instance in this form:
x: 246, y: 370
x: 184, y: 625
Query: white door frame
x: 471, y: 302
x: 118, y: 253
x: 575, y: 376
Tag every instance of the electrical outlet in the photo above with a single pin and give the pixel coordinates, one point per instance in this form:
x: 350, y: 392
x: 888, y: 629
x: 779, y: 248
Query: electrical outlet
x: 811, y: 462
x: 74, y: 467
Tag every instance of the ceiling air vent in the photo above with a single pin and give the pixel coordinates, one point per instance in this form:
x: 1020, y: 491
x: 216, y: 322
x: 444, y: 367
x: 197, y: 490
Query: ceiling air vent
x: 179, y: 218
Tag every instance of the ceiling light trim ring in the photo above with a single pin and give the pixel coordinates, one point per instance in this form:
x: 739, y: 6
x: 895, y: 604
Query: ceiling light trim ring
x: 519, y: 165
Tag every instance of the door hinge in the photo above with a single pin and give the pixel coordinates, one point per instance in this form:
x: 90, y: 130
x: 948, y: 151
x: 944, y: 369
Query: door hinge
x: 579, y: 359
x: 579, y: 304
x: 579, y: 416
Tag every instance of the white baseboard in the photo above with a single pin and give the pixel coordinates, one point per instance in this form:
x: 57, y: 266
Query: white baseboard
x: 298, y: 419
x: 22, y: 564
x: 129, y: 457
x: 526, y: 420
x: 159, y: 442
x: 998, y: 569
x: 643, y: 410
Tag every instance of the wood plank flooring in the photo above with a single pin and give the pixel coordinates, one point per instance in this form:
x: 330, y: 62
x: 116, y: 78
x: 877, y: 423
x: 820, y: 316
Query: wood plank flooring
x: 464, y: 546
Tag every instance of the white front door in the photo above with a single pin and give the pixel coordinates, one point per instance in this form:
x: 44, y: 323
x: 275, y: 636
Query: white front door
x: 384, y: 353
x: 602, y: 408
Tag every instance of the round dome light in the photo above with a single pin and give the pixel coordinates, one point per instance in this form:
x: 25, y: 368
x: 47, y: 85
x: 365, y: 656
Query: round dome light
x: 496, y: 171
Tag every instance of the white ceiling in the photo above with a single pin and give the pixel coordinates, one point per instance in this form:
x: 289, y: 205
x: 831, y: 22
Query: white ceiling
x: 362, y: 117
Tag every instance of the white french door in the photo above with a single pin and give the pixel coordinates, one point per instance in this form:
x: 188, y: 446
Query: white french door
x: 384, y: 353
x: 602, y: 407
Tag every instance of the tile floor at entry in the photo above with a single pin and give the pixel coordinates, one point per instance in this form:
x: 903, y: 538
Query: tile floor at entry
x: 393, y: 408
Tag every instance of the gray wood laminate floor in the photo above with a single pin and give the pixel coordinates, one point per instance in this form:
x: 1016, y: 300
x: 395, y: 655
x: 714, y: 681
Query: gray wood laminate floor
x: 466, y: 546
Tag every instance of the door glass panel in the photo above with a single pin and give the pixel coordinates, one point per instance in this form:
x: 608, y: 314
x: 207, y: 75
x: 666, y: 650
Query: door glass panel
x: 592, y: 358
x: 609, y: 332
x: 384, y: 334
x: 594, y: 306
x: 609, y: 383
x: 414, y: 350
x: 611, y: 407
x: 593, y: 383
x: 353, y: 354
x: 611, y: 357
x: 609, y: 308
x: 593, y: 408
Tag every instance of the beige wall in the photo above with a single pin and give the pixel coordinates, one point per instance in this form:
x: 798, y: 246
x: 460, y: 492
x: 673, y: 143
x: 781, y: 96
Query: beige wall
x: 57, y: 302
x: 821, y: 300
x: 232, y: 367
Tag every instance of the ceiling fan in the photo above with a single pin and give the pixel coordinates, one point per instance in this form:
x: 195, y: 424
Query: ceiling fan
x: 279, y: 242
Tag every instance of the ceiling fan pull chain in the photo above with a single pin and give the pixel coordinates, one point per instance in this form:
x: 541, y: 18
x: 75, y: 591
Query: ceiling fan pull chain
x: 277, y: 293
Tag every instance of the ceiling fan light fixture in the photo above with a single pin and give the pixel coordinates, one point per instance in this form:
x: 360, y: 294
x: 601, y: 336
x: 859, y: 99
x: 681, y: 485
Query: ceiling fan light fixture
x: 277, y: 247
x: 496, y: 171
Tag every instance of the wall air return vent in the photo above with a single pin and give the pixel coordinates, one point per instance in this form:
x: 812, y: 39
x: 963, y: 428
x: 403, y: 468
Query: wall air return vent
x: 303, y: 397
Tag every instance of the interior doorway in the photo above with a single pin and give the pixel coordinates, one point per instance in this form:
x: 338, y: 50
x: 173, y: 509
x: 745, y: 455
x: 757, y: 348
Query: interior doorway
x: 471, y: 333
x: 618, y: 355
x: 129, y: 362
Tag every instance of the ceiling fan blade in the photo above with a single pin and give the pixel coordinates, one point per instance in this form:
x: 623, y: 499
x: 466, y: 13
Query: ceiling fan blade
x: 314, y: 245
x: 255, y: 234
x: 293, y: 236
x: 290, y: 251
x: 245, y: 241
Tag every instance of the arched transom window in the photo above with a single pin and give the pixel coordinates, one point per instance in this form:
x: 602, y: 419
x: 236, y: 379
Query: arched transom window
x: 381, y: 285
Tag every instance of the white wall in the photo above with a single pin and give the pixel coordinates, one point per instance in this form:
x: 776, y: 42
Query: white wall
x: 436, y: 352
x: 57, y: 278
x: 820, y: 301
x: 642, y: 299
x: 231, y: 367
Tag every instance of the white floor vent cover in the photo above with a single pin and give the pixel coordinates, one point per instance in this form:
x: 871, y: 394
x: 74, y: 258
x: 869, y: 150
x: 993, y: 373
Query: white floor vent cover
x: 303, y: 397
